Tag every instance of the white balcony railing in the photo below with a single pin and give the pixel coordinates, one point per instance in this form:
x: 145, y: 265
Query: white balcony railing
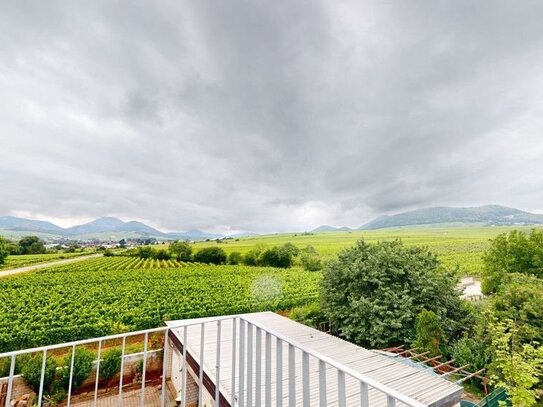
x: 245, y: 379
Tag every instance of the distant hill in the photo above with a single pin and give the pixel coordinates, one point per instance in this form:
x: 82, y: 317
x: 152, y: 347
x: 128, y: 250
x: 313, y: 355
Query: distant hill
x: 328, y: 228
x: 485, y: 215
x: 101, y: 229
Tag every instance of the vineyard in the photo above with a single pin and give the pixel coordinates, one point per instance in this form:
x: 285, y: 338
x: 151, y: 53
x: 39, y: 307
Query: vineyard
x: 115, y: 294
x: 23, y: 260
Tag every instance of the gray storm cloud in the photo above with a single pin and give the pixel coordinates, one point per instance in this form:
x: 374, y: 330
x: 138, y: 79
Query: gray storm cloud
x: 268, y: 115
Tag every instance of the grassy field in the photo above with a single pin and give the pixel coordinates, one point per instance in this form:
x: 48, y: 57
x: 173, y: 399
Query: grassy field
x: 31, y: 259
x: 455, y: 246
x: 109, y: 295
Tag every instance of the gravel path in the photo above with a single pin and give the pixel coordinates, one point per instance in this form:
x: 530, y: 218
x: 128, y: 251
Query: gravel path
x: 10, y: 272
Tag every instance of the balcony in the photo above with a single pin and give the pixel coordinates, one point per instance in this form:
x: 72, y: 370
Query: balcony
x: 260, y: 359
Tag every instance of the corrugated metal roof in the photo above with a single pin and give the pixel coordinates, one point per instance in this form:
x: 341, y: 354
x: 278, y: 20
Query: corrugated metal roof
x: 426, y: 387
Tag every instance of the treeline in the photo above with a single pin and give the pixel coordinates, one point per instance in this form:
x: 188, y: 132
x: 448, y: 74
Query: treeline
x: 284, y: 256
x: 387, y: 294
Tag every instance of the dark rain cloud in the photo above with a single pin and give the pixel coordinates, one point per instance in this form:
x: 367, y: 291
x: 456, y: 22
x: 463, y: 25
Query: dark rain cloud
x: 268, y: 115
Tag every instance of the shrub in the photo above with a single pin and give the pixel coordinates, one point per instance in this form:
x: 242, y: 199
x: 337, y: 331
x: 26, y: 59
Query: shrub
x: 162, y: 255
x: 31, y: 245
x: 310, y: 314
x: 282, y: 257
x: 3, y: 250
x: 235, y: 258
x: 182, y: 251
x: 372, y: 294
x: 31, y: 371
x: 468, y: 351
x: 145, y: 252
x: 110, y: 364
x: 108, y: 253
x: 429, y: 336
x: 82, y: 368
x: 211, y: 255
x: 310, y: 259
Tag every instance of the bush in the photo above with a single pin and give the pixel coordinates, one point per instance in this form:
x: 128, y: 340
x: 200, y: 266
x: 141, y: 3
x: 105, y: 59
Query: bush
x: 182, y: 251
x: 310, y: 259
x: 110, y: 364
x: 235, y: 258
x: 310, y: 314
x: 162, y: 255
x: 372, y: 294
x: 211, y: 255
x: 468, y: 351
x: 108, y: 253
x: 4, y: 251
x: 145, y: 252
x: 31, y: 371
x: 429, y: 336
x: 282, y: 257
x: 31, y: 245
x: 82, y: 368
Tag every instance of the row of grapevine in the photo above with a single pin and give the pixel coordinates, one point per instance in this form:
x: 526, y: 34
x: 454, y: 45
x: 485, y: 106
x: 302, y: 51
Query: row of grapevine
x: 109, y: 295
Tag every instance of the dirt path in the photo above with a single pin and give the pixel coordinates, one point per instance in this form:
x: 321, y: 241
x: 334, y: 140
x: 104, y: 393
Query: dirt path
x: 10, y: 272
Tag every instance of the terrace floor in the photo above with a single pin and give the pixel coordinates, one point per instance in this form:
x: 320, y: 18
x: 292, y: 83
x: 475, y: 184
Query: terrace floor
x: 131, y: 398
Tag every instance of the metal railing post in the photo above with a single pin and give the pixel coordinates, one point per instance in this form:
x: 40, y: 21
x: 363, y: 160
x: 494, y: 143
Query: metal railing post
x: 249, y: 364
x: 291, y: 376
x: 71, y: 376
x: 10, y: 382
x: 279, y: 372
x: 164, y: 367
x: 218, y: 367
x: 97, y: 378
x: 322, y: 384
x: 42, y: 377
x: 258, y: 384
x: 201, y: 375
x: 144, y: 370
x: 120, y: 399
x: 233, y: 399
x: 184, y: 373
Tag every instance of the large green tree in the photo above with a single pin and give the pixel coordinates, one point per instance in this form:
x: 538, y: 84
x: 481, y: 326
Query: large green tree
x: 4, y: 251
x: 372, y: 294
x: 211, y: 255
x: 515, y: 252
x: 31, y: 245
x: 182, y: 251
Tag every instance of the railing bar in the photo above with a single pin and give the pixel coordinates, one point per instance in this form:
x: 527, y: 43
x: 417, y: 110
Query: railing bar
x: 201, y: 375
x: 10, y: 382
x: 241, y: 392
x: 97, y: 379
x: 391, y: 401
x: 120, y: 400
x: 291, y: 376
x: 164, y: 368
x: 305, y: 379
x: 258, y: 385
x: 184, y: 373
x: 279, y: 372
x: 268, y: 389
x: 71, y: 376
x: 144, y: 369
x: 249, y: 364
x: 233, y: 400
x: 42, y: 377
x: 346, y: 369
x: 364, y: 395
x: 218, y: 367
x: 322, y: 384
x: 341, y: 388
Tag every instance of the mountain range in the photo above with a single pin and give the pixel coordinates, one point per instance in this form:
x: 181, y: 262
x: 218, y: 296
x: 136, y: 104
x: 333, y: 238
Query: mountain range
x: 109, y: 228
x: 488, y: 215
x: 102, y: 229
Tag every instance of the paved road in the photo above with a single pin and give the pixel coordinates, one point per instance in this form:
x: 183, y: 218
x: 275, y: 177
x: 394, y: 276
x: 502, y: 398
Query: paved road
x: 10, y: 272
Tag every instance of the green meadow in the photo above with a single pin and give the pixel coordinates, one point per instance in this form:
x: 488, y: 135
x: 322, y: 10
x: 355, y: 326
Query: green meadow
x: 456, y: 246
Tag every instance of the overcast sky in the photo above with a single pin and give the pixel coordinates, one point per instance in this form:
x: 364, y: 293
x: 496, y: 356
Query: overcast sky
x: 268, y: 115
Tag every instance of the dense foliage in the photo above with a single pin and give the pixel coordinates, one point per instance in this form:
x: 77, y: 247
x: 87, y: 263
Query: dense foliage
x: 31, y: 245
x: 111, y: 364
x: 31, y: 372
x: 82, y: 367
x: 211, y: 255
x: 429, y: 334
x: 372, y: 294
x: 515, y: 252
x: 181, y: 251
x: 108, y: 295
x: 3, y: 250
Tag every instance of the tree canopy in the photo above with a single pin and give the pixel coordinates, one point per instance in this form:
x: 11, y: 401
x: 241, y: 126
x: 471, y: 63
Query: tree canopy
x: 211, y: 255
x: 31, y: 245
x: 372, y: 294
x: 3, y: 250
x: 181, y: 251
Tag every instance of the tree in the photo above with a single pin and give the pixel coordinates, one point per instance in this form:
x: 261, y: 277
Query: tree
x: 520, y: 299
x: 111, y: 364
x: 210, y: 255
x: 372, y: 294
x: 31, y: 371
x: 516, y: 252
x: 83, y: 359
x: 468, y: 351
x: 181, y: 251
x: 282, y: 257
x: 235, y: 258
x: 4, y: 251
x: 145, y: 252
x: 515, y: 367
x: 162, y: 255
x: 31, y: 245
x: 429, y: 333
x: 310, y: 259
